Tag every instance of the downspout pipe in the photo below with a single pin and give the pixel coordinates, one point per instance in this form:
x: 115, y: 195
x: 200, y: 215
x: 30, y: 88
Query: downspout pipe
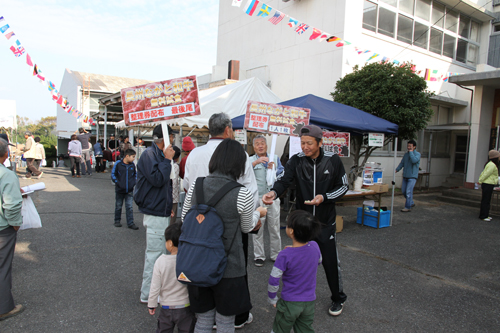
x: 468, y: 131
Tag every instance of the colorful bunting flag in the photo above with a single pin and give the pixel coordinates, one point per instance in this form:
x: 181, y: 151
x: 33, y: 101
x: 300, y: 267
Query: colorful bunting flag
x: 1, y: 19
x: 19, y: 51
x: 332, y: 39
x: 339, y: 44
x: 252, y: 6
x: 431, y: 75
x: 277, y: 18
x: 28, y: 60
x: 10, y: 34
x: 265, y: 10
x: 237, y: 3
x: 301, y: 28
x: 396, y: 62
x: 315, y: 34
x: 322, y: 37
x: 292, y: 23
x: 18, y: 42
x: 373, y: 56
x: 4, y: 28
x: 35, y: 70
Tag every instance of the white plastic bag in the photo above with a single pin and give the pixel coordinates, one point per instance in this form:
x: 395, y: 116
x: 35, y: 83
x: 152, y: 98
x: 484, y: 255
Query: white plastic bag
x: 31, y: 219
x: 44, y: 163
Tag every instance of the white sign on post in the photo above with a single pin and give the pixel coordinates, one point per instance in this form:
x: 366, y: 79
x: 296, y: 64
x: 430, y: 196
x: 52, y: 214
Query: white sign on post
x: 295, y: 147
x: 241, y: 136
x: 376, y: 139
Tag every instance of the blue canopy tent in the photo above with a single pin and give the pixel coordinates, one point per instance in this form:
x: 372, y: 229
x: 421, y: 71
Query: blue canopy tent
x: 334, y: 116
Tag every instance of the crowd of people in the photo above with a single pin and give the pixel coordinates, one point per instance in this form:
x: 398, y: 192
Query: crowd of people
x: 251, y: 203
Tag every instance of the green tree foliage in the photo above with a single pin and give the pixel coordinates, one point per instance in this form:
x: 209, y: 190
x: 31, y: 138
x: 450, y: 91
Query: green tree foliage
x: 45, y: 128
x: 392, y: 92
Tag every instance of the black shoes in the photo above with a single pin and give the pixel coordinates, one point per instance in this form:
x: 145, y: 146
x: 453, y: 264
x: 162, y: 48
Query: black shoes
x: 118, y: 224
x: 336, y: 308
x: 133, y: 227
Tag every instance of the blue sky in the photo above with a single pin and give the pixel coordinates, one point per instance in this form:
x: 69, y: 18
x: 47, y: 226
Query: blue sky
x: 154, y: 40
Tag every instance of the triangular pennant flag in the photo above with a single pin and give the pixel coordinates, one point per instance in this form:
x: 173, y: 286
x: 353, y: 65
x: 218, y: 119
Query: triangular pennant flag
x: 4, y: 28
x: 322, y: 37
x: 339, y: 44
x: 1, y: 19
x: 332, y: 39
x: 301, y: 28
x: 265, y: 10
x: 396, y: 62
x: 10, y: 34
x: 35, y: 70
x: 373, y: 56
x: 292, y: 23
x: 315, y: 34
x: 237, y: 3
x: 60, y: 100
x: 28, y: 60
x: 252, y: 7
x: 277, y: 18
x: 17, y: 51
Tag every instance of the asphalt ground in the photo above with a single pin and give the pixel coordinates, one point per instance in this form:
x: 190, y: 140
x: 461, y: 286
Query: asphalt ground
x: 436, y: 269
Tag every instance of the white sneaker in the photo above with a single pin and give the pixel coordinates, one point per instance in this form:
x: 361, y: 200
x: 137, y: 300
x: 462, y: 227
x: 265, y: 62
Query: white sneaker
x: 249, y: 320
x: 488, y: 219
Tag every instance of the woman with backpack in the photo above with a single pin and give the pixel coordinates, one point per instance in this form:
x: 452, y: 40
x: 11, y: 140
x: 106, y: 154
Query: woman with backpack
x: 230, y: 296
x: 488, y: 180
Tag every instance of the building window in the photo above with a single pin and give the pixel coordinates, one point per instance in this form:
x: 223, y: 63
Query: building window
x: 427, y: 24
x: 370, y: 16
x: 442, y: 115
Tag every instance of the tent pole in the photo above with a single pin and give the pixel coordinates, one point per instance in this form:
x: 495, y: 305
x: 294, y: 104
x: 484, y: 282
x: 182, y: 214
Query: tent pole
x: 105, y: 128
x: 394, y: 175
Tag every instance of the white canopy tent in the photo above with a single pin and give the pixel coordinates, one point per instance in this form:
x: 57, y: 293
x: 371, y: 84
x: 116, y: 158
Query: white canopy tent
x: 231, y: 99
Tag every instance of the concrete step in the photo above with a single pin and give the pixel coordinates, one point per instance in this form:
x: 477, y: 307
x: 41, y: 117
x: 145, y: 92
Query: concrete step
x: 464, y: 193
x: 454, y: 180
x: 494, y: 208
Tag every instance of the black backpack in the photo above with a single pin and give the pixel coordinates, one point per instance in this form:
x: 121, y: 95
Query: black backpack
x: 201, y: 258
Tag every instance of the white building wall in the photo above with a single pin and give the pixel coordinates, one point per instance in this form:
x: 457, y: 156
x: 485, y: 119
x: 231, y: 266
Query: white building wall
x: 295, y: 66
x: 67, y: 123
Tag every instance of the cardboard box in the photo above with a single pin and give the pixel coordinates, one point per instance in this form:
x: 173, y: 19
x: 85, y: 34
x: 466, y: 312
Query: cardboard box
x: 339, y: 222
x: 379, y: 188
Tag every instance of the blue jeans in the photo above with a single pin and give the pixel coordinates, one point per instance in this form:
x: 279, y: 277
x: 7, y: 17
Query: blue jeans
x: 129, y: 209
x: 407, y: 189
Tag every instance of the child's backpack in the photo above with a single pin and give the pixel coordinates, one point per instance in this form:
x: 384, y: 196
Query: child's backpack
x: 201, y: 258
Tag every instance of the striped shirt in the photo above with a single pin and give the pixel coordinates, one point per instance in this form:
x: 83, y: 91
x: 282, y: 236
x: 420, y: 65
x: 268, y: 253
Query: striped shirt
x: 244, y: 203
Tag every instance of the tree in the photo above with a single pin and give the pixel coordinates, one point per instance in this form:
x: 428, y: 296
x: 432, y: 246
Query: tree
x: 44, y: 128
x: 388, y: 91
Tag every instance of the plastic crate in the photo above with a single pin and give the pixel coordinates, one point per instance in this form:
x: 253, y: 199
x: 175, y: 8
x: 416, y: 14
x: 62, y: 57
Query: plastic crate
x: 371, y: 218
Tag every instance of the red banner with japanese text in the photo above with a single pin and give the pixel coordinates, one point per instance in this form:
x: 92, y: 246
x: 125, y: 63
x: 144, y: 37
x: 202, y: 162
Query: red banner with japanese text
x: 337, y: 143
x: 154, y: 102
x: 275, y: 119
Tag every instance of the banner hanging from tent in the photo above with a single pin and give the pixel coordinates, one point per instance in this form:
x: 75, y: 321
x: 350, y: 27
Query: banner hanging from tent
x: 275, y: 119
x: 337, y: 143
x: 154, y: 102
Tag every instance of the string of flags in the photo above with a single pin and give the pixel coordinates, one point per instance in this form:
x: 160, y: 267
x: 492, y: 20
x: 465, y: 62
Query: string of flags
x: 259, y: 9
x: 18, y: 50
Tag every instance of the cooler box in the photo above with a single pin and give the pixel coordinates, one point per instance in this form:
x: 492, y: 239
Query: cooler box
x: 371, y: 218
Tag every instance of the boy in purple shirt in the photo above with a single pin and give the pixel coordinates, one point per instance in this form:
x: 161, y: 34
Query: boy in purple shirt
x: 297, y: 266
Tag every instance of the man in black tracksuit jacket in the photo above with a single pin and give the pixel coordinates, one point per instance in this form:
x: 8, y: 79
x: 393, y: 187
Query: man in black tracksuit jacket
x: 321, y: 181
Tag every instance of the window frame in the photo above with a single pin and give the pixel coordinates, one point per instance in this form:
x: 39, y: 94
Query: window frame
x: 430, y: 24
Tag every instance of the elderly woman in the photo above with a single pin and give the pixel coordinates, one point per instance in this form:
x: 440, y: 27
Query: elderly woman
x: 230, y: 296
